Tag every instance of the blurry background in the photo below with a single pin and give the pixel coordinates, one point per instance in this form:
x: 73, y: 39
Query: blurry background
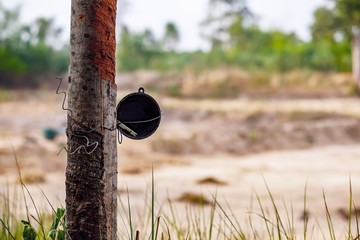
x: 247, y: 89
x: 258, y: 37
x: 177, y: 35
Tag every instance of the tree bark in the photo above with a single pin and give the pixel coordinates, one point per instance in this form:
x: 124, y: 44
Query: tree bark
x: 91, y: 173
x: 356, y: 56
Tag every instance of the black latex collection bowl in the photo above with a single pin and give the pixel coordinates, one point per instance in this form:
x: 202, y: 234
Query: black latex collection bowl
x: 138, y: 115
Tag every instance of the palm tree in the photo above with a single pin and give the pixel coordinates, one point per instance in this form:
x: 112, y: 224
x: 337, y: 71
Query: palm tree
x: 91, y: 173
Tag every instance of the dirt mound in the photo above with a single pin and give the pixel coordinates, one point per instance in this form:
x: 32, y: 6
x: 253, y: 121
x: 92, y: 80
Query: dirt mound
x: 242, y: 134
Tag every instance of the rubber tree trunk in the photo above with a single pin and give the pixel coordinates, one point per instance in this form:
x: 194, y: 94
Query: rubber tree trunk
x: 91, y: 173
x: 356, y: 56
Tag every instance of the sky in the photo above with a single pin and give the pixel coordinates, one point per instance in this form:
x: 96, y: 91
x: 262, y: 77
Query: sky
x: 287, y: 15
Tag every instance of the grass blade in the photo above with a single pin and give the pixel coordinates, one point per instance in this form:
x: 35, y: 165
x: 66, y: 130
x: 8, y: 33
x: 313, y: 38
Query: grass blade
x: 240, y: 234
x: 357, y: 224
x: 328, y: 219
x: 152, y: 205
x: 305, y: 212
x: 212, y: 215
x: 350, y: 210
x: 263, y: 215
x: 279, y: 224
x: 7, y: 229
x: 129, y: 212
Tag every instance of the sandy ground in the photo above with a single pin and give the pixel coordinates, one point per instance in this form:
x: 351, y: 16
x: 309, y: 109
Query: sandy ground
x: 241, y: 144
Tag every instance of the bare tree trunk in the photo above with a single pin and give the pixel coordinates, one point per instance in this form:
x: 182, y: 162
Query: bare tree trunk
x: 356, y: 56
x: 91, y: 173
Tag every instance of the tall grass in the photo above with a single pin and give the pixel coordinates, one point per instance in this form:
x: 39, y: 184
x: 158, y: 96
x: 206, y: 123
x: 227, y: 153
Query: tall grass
x: 172, y: 220
x: 217, y: 221
x: 30, y: 226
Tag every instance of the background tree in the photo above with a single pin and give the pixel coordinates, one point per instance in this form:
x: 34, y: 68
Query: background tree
x: 348, y: 12
x: 325, y: 25
x: 171, y: 37
x: 334, y: 28
x: 91, y: 173
x: 9, y: 23
x: 330, y: 49
x: 221, y: 14
x: 137, y: 50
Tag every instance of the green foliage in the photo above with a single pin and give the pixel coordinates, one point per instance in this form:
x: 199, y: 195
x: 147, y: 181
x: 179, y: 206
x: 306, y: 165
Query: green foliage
x: 325, y: 25
x: 349, y: 12
x: 248, y: 47
x: 11, y: 62
x: 319, y: 56
x: 56, y: 232
x: 29, y: 232
x: 336, y: 24
x: 28, y: 55
x: 138, y: 50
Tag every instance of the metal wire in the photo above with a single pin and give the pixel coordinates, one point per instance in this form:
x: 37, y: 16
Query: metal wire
x: 81, y: 133
x: 120, y: 137
x: 64, y: 99
x: 144, y: 121
x: 128, y: 129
